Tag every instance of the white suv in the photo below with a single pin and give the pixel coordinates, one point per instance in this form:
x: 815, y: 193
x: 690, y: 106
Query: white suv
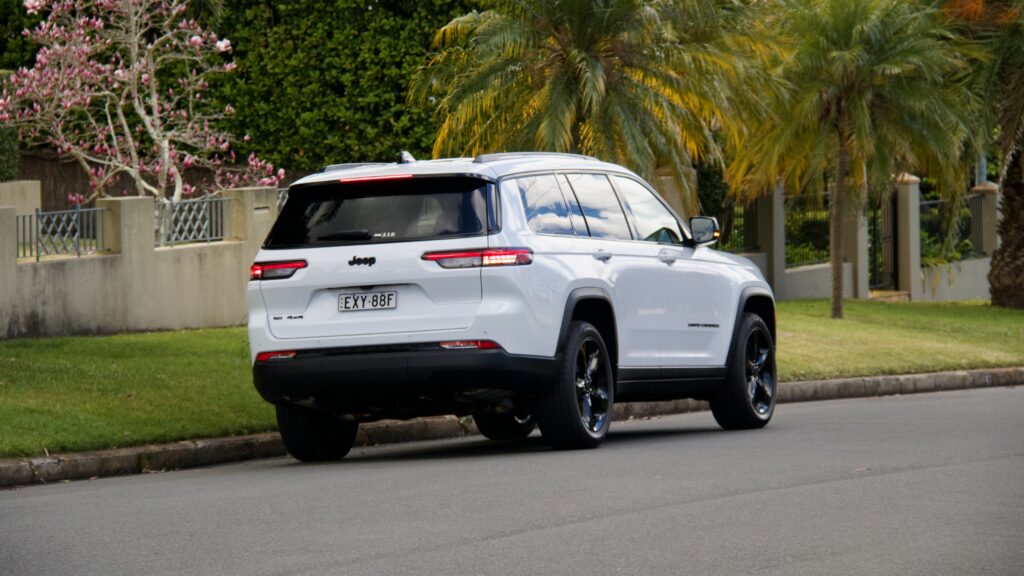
x: 526, y: 289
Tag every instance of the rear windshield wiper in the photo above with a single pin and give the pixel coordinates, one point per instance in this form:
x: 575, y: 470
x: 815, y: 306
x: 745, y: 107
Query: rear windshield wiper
x: 347, y: 235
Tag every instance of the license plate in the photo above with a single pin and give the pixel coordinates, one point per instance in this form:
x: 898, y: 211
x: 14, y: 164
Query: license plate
x: 367, y: 301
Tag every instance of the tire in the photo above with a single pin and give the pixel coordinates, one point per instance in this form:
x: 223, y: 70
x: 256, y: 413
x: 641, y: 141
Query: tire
x: 577, y: 412
x: 314, y: 436
x: 747, y: 399
x: 507, y: 426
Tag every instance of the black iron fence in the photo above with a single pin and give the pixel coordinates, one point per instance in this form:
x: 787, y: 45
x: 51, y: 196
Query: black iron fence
x: 739, y: 229
x: 962, y: 227
x: 806, y: 230
x: 882, y: 244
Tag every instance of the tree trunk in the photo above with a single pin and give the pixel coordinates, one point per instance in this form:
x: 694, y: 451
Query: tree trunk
x: 1006, y: 277
x: 835, y: 225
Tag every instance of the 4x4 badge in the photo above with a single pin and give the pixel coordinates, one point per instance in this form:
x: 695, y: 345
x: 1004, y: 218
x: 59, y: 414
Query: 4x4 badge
x: 356, y: 261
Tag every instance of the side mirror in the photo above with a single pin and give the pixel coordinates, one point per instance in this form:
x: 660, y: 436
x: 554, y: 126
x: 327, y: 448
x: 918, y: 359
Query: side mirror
x: 704, y: 230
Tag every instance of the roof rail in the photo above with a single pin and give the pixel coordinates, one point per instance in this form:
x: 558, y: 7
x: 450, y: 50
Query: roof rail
x: 484, y: 158
x: 349, y: 166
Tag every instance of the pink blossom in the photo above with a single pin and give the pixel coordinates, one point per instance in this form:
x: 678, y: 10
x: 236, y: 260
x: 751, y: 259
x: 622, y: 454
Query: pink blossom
x: 224, y: 45
x: 195, y: 41
x: 33, y: 6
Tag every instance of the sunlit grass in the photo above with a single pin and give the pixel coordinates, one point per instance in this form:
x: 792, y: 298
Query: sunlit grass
x: 91, y: 392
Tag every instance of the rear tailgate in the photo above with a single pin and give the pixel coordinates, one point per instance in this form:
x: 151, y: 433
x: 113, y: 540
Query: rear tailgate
x: 363, y: 244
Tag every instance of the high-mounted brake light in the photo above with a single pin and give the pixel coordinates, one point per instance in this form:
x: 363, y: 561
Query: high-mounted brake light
x: 278, y: 355
x: 275, y: 270
x: 374, y: 178
x: 470, y: 345
x: 478, y: 258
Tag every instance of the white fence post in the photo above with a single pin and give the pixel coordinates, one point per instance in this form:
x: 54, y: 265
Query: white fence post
x: 908, y: 235
x: 771, y: 236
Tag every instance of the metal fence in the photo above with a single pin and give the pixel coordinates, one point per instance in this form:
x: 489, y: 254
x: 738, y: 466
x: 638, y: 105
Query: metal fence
x: 936, y: 220
x: 882, y: 253
x: 60, y: 233
x: 199, y: 220
x: 806, y: 231
x: 740, y: 230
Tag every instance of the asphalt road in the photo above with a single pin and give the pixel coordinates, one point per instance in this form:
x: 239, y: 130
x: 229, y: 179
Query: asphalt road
x: 926, y: 484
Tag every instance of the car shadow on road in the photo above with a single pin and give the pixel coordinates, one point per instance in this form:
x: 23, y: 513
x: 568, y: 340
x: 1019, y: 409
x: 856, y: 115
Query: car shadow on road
x: 480, y: 447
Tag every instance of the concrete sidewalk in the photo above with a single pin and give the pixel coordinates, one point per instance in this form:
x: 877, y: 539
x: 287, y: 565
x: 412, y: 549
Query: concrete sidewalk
x: 192, y: 453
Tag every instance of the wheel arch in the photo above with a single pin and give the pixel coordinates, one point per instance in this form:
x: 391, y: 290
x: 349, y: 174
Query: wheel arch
x: 759, y: 301
x: 593, y: 305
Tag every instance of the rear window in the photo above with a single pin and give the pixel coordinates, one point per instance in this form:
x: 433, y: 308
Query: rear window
x: 423, y: 208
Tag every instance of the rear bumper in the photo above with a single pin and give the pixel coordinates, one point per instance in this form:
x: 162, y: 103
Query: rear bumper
x: 365, y: 376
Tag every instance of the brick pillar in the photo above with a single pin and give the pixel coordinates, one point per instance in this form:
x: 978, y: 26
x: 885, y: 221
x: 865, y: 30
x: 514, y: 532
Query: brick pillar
x: 908, y: 232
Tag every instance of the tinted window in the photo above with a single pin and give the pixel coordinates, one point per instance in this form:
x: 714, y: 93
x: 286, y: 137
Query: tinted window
x: 382, y: 211
x: 654, y: 222
x: 545, y: 207
x: 600, y: 206
x: 579, y: 224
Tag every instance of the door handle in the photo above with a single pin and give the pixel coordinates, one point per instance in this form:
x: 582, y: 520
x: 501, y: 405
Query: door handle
x: 667, y: 257
x: 603, y: 255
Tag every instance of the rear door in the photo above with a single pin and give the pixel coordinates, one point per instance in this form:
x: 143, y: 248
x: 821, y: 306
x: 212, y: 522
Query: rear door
x: 363, y: 241
x: 630, y: 268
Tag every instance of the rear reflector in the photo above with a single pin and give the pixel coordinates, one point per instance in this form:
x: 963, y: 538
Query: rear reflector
x: 355, y: 179
x: 470, y: 345
x: 279, y: 355
x: 275, y: 270
x: 478, y: 258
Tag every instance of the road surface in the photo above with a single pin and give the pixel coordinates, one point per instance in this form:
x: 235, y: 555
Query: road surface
x: 925, y: 484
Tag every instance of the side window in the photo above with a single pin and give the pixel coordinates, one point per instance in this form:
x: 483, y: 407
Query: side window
x: 545, y: 207
x: 579, y: 224
x: 654, y: 222
x: 600, y: 206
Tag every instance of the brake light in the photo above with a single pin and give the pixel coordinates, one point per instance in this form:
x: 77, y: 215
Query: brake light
x: 479, y: 258
x: 374, y: 178
x: 275, y: 270
x: 470, y: 345
x: 279, y: 355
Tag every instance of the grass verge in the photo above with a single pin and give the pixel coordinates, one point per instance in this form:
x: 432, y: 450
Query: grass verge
x: 83, y: 393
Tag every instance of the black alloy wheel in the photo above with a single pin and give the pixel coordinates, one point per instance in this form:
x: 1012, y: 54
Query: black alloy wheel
x: 577, y: 411
x: 747, y: 398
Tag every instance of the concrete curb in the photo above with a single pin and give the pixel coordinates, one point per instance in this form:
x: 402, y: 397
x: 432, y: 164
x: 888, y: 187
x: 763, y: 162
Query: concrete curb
x: 192, y: 453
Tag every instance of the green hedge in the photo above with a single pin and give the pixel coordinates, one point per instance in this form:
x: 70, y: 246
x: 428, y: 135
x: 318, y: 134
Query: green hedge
x: 15, y: 50
x: 9, y: 153
x: 321, y: 82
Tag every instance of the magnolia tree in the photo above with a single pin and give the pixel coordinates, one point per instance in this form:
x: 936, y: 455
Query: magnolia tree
x: 118, y: 87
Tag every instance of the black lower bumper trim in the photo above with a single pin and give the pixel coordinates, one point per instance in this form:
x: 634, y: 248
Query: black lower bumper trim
x: 363, y: 376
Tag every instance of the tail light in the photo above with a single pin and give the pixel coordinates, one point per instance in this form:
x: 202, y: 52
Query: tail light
x: 470, y: 345
x: 275, y: 270
x: 279, y: 355
x: 481, y: 258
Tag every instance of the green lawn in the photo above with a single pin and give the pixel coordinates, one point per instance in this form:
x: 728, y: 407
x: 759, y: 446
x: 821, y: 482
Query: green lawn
x: 65, y: 394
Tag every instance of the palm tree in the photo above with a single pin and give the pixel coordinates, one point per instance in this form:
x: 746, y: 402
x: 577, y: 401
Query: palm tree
x: 873, y: 87
x: 645, y: 83
x: 1000, y: 26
